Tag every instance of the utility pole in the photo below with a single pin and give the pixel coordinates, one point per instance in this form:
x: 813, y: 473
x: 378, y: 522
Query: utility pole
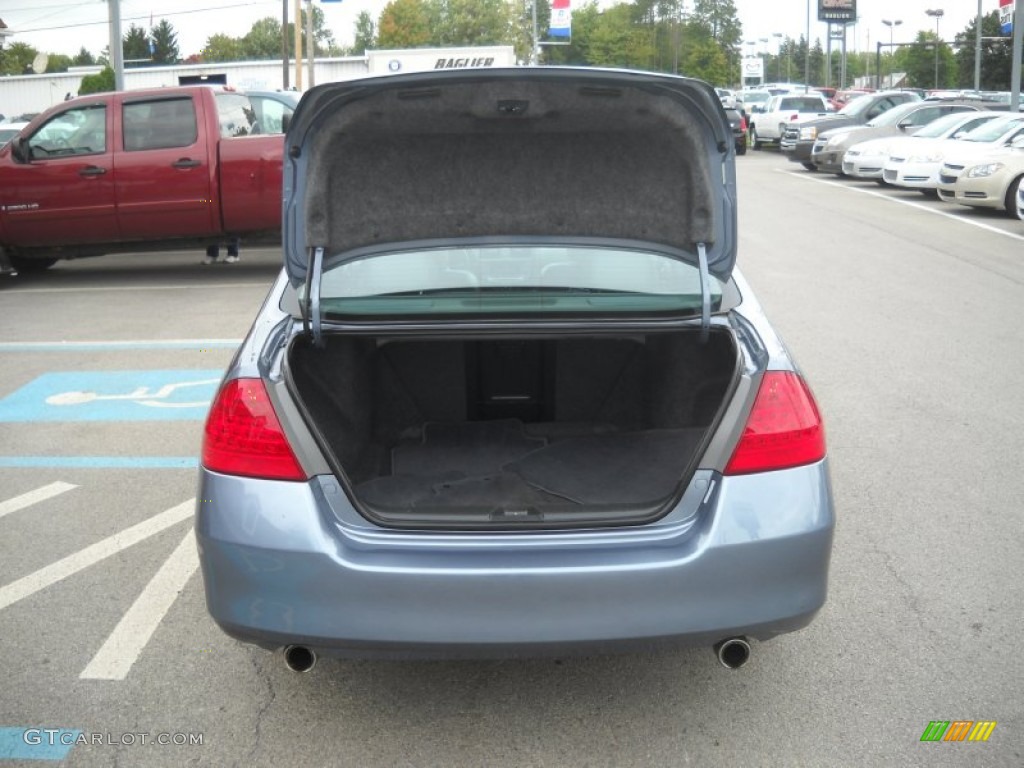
x: 298, y: 44
x: 936, y: 14
x: 310, y: 43
x: 285, y: 58
x: 535, y: 50
x: 1018, y: 41
x: 116, y: 51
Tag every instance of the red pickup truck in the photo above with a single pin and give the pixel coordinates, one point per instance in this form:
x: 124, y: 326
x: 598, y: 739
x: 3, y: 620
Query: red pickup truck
x: 139, y: 170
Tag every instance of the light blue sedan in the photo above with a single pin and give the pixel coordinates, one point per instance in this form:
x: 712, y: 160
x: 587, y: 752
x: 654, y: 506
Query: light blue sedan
x: 510, y: 395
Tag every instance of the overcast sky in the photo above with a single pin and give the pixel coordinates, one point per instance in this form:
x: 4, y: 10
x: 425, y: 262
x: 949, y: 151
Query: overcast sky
x: 63, y: 26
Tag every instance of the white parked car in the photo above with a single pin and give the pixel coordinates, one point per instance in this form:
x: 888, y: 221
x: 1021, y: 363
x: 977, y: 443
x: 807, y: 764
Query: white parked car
x: 995, y: 135
x: 868, y: 159
x: 993, y: 180
x: 9, y: 130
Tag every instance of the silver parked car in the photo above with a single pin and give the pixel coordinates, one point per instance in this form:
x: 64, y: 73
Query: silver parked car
x: 510, y: 395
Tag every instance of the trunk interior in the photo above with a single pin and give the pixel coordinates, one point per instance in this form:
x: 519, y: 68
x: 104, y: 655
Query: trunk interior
x: 557, y: 430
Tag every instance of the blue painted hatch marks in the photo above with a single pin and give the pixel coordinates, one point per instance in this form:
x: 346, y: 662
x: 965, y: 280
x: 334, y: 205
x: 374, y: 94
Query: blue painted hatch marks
x: 34, y: 743
x: 160, y: 395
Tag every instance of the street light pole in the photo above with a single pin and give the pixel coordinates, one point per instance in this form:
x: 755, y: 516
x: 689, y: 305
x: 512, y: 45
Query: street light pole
x: 890, y: 24
x: 778, y: 57
x: 937, y: 14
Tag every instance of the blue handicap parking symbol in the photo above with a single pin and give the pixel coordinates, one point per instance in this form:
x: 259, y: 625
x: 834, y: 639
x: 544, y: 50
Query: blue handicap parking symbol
x: 113, y: 396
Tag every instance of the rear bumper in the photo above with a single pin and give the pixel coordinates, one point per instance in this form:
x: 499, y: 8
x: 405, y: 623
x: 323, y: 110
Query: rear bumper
x: 281, y: 568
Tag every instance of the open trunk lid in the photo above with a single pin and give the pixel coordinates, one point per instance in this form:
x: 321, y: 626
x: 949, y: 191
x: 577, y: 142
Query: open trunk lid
x: 560, y: 156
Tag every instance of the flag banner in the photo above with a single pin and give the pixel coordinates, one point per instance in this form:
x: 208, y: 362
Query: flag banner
x: 1006, y: 16
x: 561, y: 19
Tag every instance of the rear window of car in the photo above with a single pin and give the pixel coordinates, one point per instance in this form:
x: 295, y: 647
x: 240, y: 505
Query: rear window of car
x: 512, y: 279
x: 804, y: 105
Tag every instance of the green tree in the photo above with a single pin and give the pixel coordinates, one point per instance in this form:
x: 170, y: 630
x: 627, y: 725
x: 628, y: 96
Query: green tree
x: 18, y: 58
x: 404, y: 24
x: 101, y: 82
x: 222, y: 47
x: 817, y: 64
x: 135, y: 47
x: 470, y: 22
x: 707, y: 61
x: 521, y: 15
x: 616, y: 41
x: 165, y: 43
x: 83, y: 58
x: 57, y: 62
x: 263, y: 41
x: 364, y: 33
x: 719, y: 20
x: 996, y: 55
x: 918, y: 61
x: 325, y: 44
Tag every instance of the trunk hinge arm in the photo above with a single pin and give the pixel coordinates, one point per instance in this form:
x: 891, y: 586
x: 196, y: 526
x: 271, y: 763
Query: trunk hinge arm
x: 311, y: 317
x: 705, y: 292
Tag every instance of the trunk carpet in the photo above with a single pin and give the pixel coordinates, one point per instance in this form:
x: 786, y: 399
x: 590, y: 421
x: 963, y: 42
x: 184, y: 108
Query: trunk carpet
x: 626, y: 468
x: 496, y: 465
x: 471, y: 448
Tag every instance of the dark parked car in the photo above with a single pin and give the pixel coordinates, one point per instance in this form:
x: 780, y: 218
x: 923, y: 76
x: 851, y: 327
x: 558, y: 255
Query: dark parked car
x: 738, y: 123
x: 904, y: 120
x: 798, y: 140
x: 479, y: 415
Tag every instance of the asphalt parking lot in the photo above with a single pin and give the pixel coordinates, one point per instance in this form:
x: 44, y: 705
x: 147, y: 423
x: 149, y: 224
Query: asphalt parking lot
x: 906, y: 315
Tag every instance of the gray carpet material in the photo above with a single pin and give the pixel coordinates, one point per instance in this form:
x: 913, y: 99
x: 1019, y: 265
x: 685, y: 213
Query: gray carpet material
x: 626, y: 468
x: 472, y: 448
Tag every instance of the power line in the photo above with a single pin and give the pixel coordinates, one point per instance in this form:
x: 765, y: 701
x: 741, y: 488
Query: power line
x: 144, y: 16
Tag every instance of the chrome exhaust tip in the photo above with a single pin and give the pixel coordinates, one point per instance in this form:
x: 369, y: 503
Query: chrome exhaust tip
x: 733, y: 652
x: 299, y: 658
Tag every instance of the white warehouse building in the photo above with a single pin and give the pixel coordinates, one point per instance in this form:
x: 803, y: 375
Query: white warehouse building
x: 26, y: 94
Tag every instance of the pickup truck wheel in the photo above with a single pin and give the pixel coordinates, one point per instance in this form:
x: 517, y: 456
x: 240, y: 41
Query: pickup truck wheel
x: 28, y: 266
x: 810, y: 166
x: 754, y: 141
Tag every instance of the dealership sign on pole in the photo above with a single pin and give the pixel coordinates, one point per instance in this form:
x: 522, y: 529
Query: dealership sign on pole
x: 1006, y: 16
x: 831, y: 11
x: 561, y: 19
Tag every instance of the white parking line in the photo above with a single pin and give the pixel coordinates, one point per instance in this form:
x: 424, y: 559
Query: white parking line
x: 51, y: 574
x: 34, y: 497
x: 133, y: 288
x: 918, y: 206
x: 117, y: 655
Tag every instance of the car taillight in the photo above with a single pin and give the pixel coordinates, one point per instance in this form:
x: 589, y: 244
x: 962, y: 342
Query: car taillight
x: 243, y: 435
x: 783, y: 429
x: 743, y: 124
